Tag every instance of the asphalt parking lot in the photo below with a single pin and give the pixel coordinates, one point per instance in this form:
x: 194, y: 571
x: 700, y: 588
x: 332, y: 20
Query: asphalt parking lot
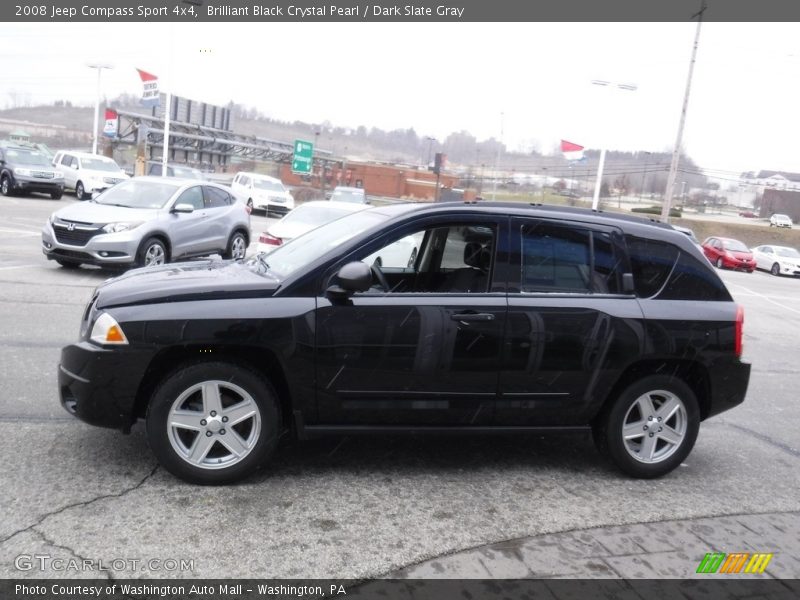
x: 347, y: 507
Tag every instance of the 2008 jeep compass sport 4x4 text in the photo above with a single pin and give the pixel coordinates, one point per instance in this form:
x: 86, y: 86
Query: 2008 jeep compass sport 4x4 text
x: 503, y: 318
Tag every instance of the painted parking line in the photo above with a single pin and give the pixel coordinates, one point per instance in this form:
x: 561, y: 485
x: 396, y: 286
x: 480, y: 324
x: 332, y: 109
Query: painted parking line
x: 23, y: 232
x: 17, y: 267
x: 767, y: 298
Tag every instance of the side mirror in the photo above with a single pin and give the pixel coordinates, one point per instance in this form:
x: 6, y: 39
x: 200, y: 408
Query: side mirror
x: 628, y: 286
x: 74, y: 167
x: 353, y: 277
x: 183, y: 208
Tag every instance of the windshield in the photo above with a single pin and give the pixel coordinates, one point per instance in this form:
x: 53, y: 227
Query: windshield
x: 735, y: 246
x: 348, y: 196
x: 315, y: 215
x: 270, y: 186
x: 287, y: 259
x: 787, y: 252
x: 28, y: 157
x: 135, y: 193
x: 98, y: 164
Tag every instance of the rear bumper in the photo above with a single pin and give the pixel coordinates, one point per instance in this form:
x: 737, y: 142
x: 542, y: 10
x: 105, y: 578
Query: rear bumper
x: 729, y: 381
x: 99, y: 386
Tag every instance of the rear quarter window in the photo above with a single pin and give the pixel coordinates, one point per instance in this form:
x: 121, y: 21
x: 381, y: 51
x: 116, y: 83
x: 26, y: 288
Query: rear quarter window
x: 666, y: 272
x: 692, y: 280
x: 651, y: 263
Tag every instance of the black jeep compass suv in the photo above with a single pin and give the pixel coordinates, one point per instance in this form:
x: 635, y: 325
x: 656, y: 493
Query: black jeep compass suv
x: 438, y: 318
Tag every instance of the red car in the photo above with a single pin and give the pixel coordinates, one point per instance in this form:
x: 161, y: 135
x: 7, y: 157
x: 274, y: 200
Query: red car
x: 726, y: 253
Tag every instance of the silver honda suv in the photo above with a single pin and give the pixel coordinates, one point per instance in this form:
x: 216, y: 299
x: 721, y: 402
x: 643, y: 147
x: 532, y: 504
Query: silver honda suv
x: 149, y: 221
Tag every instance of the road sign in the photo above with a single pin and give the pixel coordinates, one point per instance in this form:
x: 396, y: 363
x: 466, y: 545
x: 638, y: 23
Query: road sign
x: 302, y: 159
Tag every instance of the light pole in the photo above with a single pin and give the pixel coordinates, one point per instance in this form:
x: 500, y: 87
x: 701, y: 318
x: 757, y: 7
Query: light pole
x: 99, y: 67
x: 430, y: 147
x: 644, y: 174
x: 620, y: 86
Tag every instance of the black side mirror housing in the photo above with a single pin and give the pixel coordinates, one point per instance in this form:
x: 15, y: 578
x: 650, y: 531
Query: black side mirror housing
x: 353, y: 277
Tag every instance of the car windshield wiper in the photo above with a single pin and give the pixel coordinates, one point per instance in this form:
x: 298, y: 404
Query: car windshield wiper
x: 262, y: 260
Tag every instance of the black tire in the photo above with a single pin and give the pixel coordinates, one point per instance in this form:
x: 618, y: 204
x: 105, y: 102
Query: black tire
x: 148, y: 252
x: 775, y: 270
x: 67, y: 264
x: 719, y: 263
x: 56, y: 195
x: 237, y: 246
x: 608, y: 428
x: 80, y: 192
x: 5, y: 186
x: 170, y: 444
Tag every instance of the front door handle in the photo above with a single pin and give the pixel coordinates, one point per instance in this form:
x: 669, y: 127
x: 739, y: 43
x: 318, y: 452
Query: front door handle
x: 472, y: 316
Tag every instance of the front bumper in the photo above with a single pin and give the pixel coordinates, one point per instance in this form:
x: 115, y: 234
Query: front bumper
x: 101, y: 249
x: 35, y: 184
x: 742, y: 265
x: 99, y: 385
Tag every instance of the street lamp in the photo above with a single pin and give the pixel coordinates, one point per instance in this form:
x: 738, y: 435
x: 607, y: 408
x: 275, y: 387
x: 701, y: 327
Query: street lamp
x: 644, y: 174
x: 620, y: 86
x: 99, y: 67
x: 430, y: 147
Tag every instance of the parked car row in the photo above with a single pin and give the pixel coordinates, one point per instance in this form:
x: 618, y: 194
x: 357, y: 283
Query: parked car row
x: 727, y: 253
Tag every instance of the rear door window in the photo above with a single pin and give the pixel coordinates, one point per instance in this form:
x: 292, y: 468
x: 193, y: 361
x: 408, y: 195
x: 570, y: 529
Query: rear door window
x: 558, y: 258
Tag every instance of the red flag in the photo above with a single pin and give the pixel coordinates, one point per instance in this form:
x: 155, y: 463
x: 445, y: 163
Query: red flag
x: 147, y: 76
x: 570, y: 147
x: 150, y: 96
x: 571, y: 151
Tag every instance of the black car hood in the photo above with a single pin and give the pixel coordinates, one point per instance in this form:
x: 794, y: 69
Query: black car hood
x: 200, y: 280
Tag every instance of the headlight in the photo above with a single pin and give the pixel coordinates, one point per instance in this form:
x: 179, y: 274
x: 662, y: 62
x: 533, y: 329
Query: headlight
x: 117, y: 227
x: 106, y: 330
x: 23, y: 172
x: 58, y: 175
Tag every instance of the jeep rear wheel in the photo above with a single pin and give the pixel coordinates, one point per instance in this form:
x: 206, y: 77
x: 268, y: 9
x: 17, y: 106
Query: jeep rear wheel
x: 651, y: 427
x: 213, y: 422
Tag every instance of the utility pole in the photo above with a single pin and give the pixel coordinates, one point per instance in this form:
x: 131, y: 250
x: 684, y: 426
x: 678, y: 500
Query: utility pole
x: 497, y: 158
x: 673, y: 168
x: 99, y: 67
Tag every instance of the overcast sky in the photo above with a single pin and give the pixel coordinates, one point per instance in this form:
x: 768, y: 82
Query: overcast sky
x: 437, y: 78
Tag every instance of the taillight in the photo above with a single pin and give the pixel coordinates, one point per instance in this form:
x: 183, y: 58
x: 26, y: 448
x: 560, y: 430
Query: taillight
x: 737, y: 343
x: 270, y: 240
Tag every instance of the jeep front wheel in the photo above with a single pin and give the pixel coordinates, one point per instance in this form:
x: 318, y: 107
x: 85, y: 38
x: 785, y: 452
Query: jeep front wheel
x: 213, y: 423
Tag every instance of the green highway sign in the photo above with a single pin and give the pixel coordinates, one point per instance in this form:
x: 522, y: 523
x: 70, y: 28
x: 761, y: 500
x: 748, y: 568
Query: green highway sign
x: 302, y: 159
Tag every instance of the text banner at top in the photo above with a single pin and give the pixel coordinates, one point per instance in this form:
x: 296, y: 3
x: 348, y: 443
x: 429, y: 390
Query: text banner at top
x: 187, y: 11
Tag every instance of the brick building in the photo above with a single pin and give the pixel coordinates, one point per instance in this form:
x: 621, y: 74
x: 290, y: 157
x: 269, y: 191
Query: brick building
x: 377, y: 180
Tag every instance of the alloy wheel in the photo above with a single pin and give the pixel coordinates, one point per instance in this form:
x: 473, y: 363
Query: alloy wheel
x: 655, y: 426
x: 214, y: 424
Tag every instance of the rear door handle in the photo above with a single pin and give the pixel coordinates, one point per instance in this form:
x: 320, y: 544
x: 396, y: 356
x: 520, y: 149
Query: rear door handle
x: 472, y: 316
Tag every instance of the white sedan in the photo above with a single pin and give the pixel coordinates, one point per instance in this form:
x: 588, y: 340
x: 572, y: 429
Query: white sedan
x: 304, y: 218
x: 778, y: 260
